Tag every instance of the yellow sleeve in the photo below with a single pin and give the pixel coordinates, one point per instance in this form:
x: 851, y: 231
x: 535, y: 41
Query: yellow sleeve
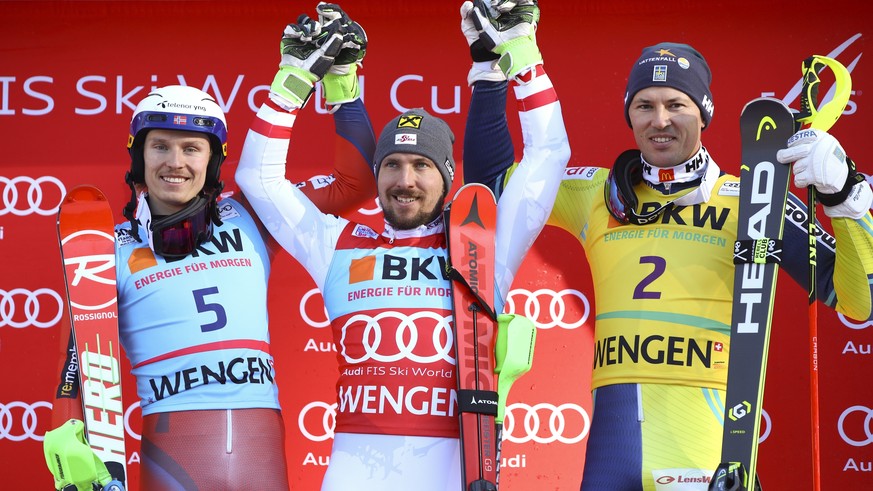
x: 853, y: 269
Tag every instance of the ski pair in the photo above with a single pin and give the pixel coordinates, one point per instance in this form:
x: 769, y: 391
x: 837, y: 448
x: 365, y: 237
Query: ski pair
x: 87, y: 241
x: 486, y: 343
x: 766, y: 124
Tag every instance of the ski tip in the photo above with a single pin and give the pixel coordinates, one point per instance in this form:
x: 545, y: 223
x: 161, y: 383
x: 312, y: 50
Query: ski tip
x: 474, y: 188
x: 766, y: 100
x: 84, y: 193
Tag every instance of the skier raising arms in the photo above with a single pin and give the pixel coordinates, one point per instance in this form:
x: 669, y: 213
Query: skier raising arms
x: 192, y: 271
x: 385, y: 294
x: 664, y: 295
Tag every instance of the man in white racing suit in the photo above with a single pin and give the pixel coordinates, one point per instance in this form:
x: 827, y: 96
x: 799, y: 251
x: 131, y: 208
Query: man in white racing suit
x: 386, y: 293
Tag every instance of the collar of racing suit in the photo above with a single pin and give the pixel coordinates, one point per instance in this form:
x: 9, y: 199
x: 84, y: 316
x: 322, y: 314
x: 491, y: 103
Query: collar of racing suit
x: 432, y: 228
x: 699, y: 171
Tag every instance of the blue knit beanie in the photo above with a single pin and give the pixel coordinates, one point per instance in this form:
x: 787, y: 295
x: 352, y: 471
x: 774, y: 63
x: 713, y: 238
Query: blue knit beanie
x: 673, y: 65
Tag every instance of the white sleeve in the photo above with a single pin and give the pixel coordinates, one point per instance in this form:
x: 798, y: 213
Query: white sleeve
x: 292, y: 219
x: 527, y: 200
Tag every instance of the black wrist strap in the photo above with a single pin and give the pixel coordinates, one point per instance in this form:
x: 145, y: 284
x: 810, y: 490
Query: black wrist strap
x: 479, y: 52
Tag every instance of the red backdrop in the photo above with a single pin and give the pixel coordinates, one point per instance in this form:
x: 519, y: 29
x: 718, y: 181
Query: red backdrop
x: 71, y: 73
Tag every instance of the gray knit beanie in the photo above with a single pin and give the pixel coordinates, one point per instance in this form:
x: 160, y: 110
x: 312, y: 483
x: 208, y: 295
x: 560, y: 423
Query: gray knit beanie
x: 673, y: 65
x: 416, y: 131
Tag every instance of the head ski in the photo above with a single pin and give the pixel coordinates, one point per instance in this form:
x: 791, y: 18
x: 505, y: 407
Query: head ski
x: 766, y: 124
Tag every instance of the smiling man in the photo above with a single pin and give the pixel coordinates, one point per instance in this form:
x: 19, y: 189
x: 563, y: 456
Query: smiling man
x: 414, y: 168
x: 193, y: 265
x: 175, y: 168
x: 658, y: 230
x: 397, y: 406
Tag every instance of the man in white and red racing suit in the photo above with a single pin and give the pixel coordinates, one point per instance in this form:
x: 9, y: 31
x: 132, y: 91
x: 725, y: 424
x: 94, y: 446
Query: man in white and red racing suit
x: 386, y: 294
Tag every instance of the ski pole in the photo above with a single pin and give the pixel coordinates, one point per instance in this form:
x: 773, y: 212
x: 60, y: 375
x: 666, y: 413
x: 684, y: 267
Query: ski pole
x: 822, y: 119
x: 513, y: 350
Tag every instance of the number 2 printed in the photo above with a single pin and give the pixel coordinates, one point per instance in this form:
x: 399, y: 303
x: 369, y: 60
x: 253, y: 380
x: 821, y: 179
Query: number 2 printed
x: 660, y: 265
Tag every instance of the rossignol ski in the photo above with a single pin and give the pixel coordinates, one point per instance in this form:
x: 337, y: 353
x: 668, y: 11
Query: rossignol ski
x: 471, y: 220
x: 87, y: 241
x: 766, y: 124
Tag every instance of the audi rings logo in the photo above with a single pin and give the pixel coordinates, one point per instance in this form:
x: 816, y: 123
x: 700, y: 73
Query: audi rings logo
x: 305, y: 309
x: 18, y: 420
x: 24, y: 195
x: 766, y: 425
x: 134, y: 433
x: 317, y: 421
x: 854, y: 325
x: 364, y: 331
x: 560, y: 313
x: 545, y: 423
x: 22, y: 308
x: 856, y: 426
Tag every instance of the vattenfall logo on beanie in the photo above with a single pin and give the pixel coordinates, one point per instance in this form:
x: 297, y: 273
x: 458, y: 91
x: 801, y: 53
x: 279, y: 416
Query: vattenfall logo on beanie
x: 659, y: 72
x: 674, y: 65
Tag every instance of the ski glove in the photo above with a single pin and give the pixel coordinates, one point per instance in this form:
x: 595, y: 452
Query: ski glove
x: 71, y: 461
x: 504, y: 6
x: 484, y: 60
x: 341, y: 81
x: 511, y: 35
x: 308, y: 50
x: 820, y: 161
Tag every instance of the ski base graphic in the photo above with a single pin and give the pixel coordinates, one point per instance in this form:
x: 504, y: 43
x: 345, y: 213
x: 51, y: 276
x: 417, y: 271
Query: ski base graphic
x: 87, y: 241
x: 766, y: 124
x: 471, y: 220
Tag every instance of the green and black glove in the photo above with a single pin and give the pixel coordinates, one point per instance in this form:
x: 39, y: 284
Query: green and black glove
x: 341, y: 80
x: 508, y: 28
x: 308, y: 50
x: 73, y: 464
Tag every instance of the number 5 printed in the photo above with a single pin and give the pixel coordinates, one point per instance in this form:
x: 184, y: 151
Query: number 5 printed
x: 216, y: 308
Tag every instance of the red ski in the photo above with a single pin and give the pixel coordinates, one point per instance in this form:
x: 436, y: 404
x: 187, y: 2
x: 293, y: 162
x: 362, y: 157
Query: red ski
x: 471, y: 220
x: 87, y: 239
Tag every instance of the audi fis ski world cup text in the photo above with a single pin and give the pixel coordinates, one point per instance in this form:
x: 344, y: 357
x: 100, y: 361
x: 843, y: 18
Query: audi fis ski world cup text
x: 97, y: 94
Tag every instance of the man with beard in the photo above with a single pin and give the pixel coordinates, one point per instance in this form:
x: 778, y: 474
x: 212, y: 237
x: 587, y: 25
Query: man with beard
x: 385, y: 293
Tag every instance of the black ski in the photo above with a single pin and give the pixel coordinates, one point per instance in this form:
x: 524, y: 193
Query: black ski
x: 766, y: 124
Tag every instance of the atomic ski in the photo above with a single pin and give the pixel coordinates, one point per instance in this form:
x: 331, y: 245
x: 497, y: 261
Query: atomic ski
x: 87, y: 240
x: 471, y: 220
x: 766, y: 124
